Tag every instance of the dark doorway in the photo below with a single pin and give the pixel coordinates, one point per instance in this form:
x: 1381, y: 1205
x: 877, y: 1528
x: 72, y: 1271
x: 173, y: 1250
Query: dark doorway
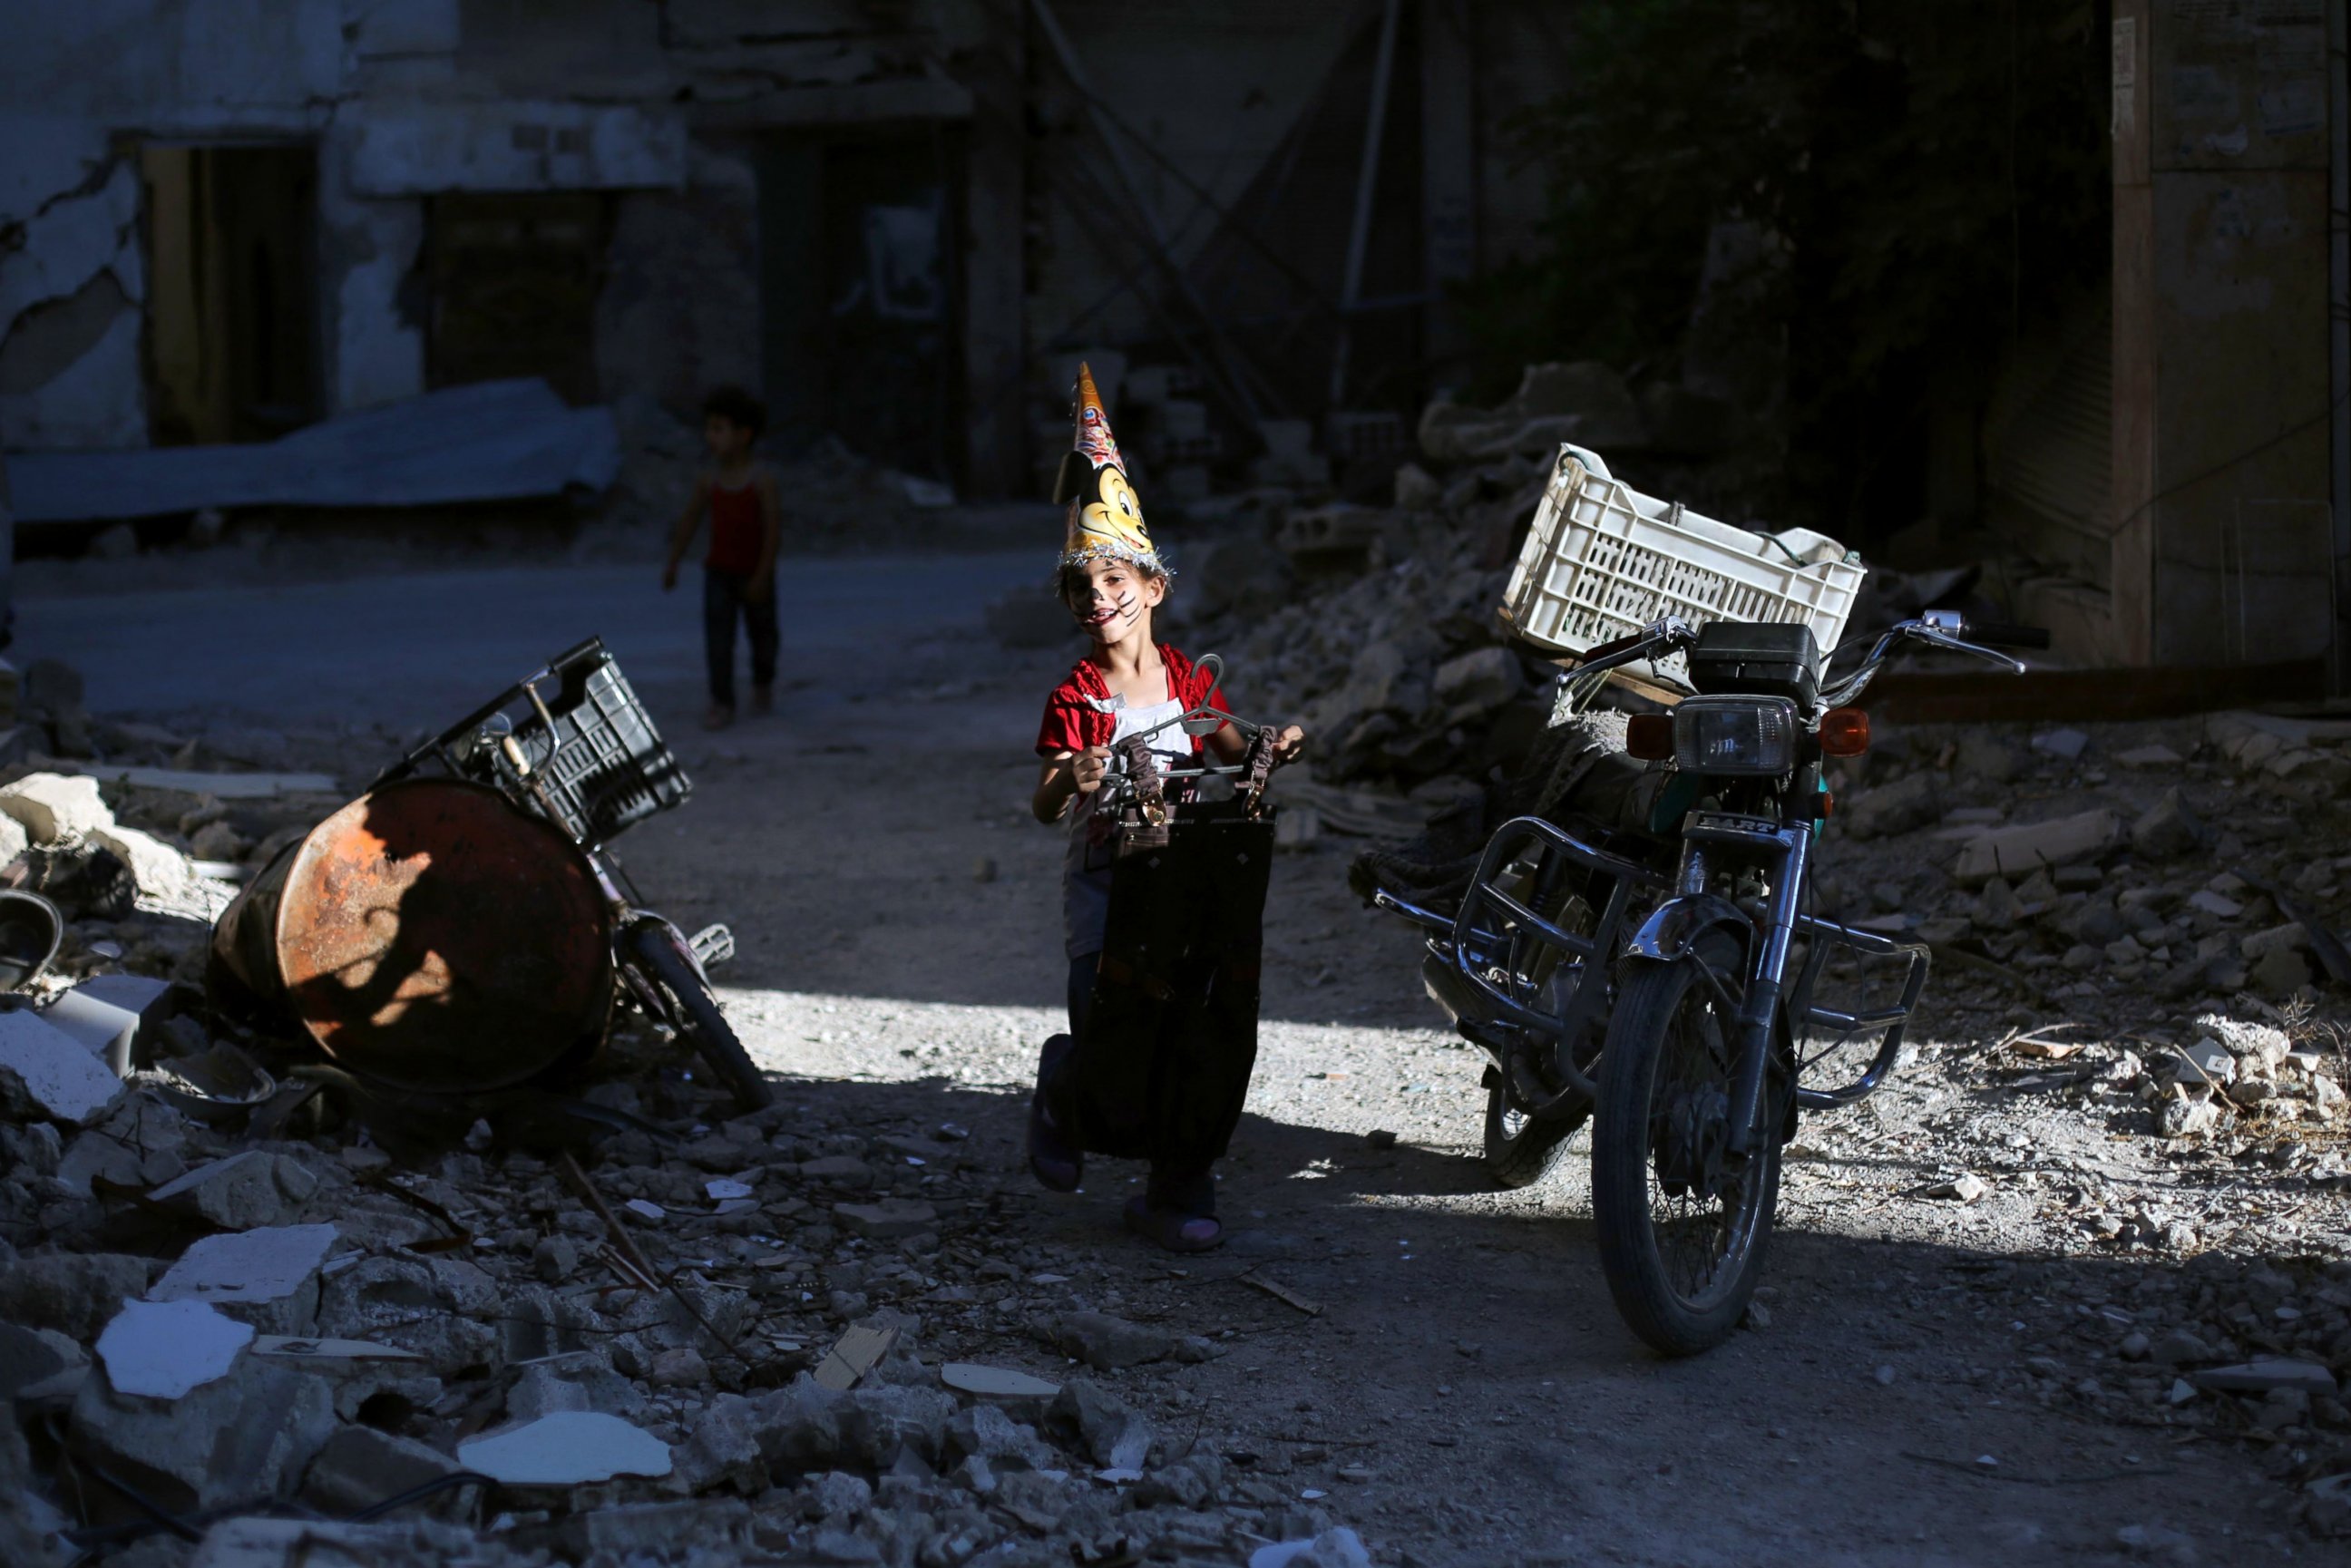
x: 231, y: 348
x: 861, y: 295
x: 512, y: 280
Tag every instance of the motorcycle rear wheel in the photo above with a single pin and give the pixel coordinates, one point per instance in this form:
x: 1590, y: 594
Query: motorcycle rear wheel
x: 661, y: 957
x: 1683, y: 1223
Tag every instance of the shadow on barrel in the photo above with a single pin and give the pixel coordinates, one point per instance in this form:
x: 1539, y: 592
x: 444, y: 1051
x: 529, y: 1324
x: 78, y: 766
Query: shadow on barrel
x: 427, y: 936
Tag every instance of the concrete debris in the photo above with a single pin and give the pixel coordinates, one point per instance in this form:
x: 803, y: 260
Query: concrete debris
x: 1113, y: 1344
x: 359, y: 1466
x: 241, y: 1192
x: 2017, y: 852
x: 2309, y: 1378
x: 567, y: 1447
x: 1964, y: 1188
x: 45, y: 1072
x: 250, y: 1266
x: 854, y: 1354
x: 891, y: 1219
x: 29, y: 1356
x: 56, y: 807
x: 1336, y: 1548
x: 995, y: 1382
x: 405, y: 1542
x: 111, y: 1015
x: 164, y: 1349
x: 247, y: 1434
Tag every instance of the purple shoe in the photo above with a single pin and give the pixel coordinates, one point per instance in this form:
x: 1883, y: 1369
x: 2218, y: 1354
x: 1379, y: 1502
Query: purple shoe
x: 1173, y: 1228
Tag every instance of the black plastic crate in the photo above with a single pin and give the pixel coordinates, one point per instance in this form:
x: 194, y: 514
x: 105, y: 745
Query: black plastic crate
x: 611, y: 770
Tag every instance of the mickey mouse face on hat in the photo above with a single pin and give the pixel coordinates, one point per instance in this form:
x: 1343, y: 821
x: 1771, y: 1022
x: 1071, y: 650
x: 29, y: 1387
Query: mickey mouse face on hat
x: 1116, y: 512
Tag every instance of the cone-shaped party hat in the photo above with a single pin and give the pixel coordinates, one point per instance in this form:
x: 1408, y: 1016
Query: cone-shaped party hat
x: 1106, y: 514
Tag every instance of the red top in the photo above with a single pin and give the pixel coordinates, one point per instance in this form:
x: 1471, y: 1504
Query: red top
x: 736, y: 530
x: 1072, y: 722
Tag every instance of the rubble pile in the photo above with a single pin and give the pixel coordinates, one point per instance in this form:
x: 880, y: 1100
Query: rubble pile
x: 2137, y: 1012
x: 250, y: 1310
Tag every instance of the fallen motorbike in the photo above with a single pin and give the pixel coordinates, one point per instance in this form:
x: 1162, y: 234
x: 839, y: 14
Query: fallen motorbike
x: 591, y: 764
x: 1663, y: 976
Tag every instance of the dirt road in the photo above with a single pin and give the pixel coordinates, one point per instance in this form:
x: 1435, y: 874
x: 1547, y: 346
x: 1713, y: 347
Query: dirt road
x: 1465, y: 1393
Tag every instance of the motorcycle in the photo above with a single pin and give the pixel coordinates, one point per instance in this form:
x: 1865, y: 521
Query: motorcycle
x: 1662, y: 979
x: 591, y: 764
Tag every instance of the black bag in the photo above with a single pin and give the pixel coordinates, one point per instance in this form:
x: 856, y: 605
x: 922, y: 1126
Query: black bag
x: 1164, y: 1064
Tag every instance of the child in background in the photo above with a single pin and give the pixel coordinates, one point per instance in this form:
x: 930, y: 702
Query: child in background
x: 1111, y: 579
x: 738, y: 574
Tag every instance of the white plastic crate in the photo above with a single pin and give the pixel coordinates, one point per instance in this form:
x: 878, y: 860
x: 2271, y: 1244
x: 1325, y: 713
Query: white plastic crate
x: 1602, y: 560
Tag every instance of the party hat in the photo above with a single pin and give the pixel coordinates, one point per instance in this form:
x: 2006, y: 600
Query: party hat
x: 1106, y: 514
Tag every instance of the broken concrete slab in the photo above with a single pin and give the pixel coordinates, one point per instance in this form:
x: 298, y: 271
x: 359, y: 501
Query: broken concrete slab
x: 246, y: 1435
x: 265, y: 1265
x: 359, y: 1466
x: 569, y: 1447
x: 326, y: 1352
x: 45, y: 1072
x: 56, y: 807
x: 995, y: 1382
x: 240, y: 1192
x: 32, y: 1356
x: 854, y: 1354
x: 73, y: 1292
x: 2022, y: 848
x: 161, y: 871
x: 1115, y: 1435
x: 161, y: 1349
x: 2309, y: 1377
x: 631, y: 1533
x: 1113, y: 1344
x: 110, y: 1015
x: 2155, y: 755
x: 246, y: 1542
x: 2168, y: 829
x: 572, y: 1380
x: 891, y: 1219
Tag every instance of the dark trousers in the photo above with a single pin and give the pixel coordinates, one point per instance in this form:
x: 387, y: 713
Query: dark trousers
x: 722, y: 600
x: 1189, y: 1188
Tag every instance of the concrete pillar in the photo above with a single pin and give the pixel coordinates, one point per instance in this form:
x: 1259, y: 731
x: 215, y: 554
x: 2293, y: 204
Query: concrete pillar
x: 2223, y: 541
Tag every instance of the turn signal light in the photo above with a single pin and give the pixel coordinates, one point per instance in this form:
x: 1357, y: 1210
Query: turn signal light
x: 1649, y: 736
x: 1844, y: 732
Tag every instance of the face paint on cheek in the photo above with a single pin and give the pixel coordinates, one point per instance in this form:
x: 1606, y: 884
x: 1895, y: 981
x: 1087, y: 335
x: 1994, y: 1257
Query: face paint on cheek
x: 1128, y: 611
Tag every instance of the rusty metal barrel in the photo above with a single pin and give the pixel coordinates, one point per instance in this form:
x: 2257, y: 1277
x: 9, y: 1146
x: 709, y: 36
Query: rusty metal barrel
x: 428, y: 936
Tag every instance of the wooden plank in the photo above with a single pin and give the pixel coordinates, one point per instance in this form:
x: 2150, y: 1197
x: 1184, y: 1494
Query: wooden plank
x: 2160, y: 691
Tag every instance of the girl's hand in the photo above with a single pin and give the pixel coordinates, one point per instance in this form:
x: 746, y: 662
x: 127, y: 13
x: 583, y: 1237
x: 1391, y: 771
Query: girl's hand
x: 1288, y: 745
x: 1087, y: 768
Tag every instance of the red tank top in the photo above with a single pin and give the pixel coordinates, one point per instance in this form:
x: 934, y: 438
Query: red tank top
x: 735, y: 529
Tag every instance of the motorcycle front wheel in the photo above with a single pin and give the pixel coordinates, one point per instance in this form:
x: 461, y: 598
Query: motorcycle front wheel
x: 662, y: 960
x: 1682, y: 1220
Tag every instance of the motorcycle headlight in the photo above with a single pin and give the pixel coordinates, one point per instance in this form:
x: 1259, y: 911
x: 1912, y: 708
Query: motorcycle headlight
x: 1735, y: 735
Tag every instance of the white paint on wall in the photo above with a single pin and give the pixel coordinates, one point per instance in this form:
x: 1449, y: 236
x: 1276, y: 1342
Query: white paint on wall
x: 96, y: 402
x: 67, y: 245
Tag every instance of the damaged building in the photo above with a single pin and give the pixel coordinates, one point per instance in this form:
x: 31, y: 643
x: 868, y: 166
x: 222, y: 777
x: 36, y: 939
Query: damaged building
x: 225, y: 221
x: 901, y: 220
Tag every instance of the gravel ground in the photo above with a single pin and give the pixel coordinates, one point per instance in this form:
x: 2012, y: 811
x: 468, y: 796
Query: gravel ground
x: 1467, y: 1392
x: 1400, y: 1347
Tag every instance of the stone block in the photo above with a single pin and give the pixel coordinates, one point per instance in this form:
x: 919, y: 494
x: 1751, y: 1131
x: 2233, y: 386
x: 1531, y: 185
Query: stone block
x: 44, y: 1073
x: 56, y: 807
x: 244, y: 1435
x: 75, y: 1293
